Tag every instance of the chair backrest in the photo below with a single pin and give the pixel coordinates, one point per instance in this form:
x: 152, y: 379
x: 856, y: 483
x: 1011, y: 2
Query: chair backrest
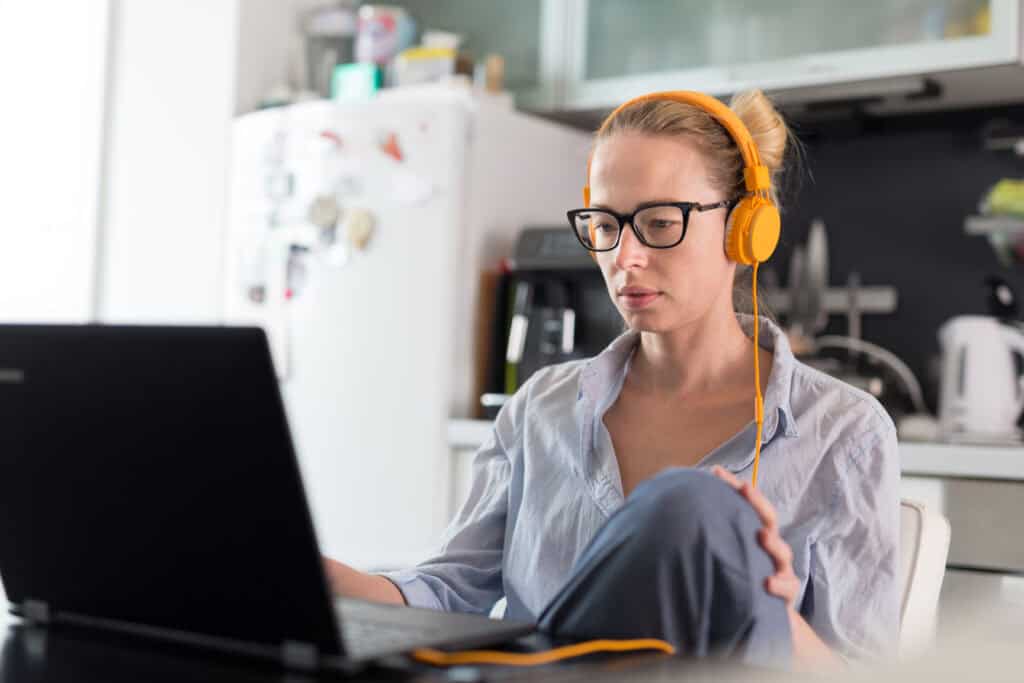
x: 924, y: 546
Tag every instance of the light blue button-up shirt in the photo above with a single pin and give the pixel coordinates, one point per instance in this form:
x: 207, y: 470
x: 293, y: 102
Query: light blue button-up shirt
x: 547, y: 479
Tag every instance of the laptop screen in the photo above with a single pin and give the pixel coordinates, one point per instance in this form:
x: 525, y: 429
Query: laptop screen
x: 147, y: 476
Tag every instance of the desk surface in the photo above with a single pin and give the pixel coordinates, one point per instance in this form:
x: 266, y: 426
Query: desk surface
x: 34, y: 655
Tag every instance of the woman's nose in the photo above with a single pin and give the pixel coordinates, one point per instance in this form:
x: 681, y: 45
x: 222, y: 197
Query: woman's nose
x: 631, y: 252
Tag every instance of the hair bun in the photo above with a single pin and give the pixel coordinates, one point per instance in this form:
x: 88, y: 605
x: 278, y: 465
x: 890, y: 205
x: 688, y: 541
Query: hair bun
x: 765, y: 124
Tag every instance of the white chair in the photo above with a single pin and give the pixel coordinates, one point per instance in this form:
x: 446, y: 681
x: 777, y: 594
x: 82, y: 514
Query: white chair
x: 924, y: 546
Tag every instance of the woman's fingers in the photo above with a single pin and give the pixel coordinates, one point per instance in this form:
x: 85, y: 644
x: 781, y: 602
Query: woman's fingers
x: 786, y: 587
x: 777, y: 548
x: 726, y: 476
x: 784, y: 583
x: 761, y: 505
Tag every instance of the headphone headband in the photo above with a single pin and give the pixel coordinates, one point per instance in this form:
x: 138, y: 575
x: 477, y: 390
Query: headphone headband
x: 755, y: 174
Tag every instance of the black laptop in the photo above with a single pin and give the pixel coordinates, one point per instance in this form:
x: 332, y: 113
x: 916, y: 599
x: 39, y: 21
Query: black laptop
x: 148, y: 484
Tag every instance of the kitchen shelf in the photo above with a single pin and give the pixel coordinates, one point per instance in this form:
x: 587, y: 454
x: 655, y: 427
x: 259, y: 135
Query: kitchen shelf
x: 918, y: 459
x: 988, y: 225
x: 837, y: 299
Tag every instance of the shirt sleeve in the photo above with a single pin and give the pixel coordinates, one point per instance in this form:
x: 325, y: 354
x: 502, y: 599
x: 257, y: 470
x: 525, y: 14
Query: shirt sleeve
x: 465, y: 575
x: 855, y: 562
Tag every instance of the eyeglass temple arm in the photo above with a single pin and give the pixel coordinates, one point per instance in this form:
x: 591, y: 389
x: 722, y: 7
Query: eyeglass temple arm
x: 724, y: 204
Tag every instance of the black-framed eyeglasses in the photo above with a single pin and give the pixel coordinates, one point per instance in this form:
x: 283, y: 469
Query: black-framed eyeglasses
x: 658, y: 225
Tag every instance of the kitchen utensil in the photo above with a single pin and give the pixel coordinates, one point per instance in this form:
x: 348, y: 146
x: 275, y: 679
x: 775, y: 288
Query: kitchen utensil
x: 384, y: 31
x: 518, y: 329
x: 816, y: 277
x: 330, y: 33
x: 808, y: 279
x: 981, y: 392
x: 1002, y: 300
x: 881, y: 356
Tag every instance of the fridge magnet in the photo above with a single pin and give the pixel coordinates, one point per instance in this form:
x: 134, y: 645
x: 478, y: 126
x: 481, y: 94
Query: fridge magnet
x: 333, y: 137
x: 324, y: 212
x: 296, y: 271
x: 358, y: 225
x: 389, y: 145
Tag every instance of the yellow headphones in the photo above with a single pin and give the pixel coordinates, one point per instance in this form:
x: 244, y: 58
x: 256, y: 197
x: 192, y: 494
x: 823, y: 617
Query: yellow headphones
x: 752, y: 231
x: 753, y: 227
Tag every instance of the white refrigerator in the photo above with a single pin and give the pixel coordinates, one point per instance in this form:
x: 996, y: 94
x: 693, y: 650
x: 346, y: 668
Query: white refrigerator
x: 357, y: 235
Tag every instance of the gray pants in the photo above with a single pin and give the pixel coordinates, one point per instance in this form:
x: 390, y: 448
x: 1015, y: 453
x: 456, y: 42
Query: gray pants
x: 680, y: 561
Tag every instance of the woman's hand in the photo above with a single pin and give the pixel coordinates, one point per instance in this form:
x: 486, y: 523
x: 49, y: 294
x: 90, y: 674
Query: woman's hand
x: 810, y: 652
x: 784, y: 582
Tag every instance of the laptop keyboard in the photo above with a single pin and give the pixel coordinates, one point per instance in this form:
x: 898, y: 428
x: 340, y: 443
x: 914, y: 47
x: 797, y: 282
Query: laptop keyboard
x: 365, y: 635
x: 371, y: 630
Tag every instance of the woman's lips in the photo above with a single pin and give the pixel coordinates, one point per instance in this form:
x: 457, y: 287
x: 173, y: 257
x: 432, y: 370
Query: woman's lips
x: 636, y: 300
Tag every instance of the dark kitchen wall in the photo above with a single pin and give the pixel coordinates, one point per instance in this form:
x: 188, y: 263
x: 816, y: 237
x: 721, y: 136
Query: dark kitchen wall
x: 893, y: 193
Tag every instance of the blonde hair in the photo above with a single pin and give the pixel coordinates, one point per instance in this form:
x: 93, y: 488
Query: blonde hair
x: 767, y: 128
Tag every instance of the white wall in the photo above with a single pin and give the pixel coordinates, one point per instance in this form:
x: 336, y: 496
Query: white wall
x: 181, y: 71
x: 52, y: 74
x: 172, y: 94
x: 113, y: 181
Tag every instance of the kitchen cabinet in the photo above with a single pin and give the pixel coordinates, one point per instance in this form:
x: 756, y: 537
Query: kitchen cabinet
x: 726, y: 46
x: 526, y: 33
x: 590, y: 55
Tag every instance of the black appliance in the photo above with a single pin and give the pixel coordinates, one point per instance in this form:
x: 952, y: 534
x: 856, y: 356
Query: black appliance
x: 551, y: 306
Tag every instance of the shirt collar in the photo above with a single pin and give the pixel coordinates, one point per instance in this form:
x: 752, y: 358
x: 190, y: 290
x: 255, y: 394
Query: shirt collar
x: 605, y: 371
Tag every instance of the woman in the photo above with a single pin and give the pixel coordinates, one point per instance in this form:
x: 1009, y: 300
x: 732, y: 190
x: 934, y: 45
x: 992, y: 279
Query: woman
x: 604, y: 503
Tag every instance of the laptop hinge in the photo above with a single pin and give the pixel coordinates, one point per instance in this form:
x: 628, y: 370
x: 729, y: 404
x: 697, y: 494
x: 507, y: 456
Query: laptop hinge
x: 299, y: 655
x: 36, y: 610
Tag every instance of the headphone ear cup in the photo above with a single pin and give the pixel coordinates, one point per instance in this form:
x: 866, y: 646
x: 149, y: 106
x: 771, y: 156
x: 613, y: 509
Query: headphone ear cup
x: 752, y: 231
x: 763, y: 232
x: 735, y: 227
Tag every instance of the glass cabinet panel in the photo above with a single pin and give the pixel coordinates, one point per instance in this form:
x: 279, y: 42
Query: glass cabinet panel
x: 510, y: 29
x: 674, y: 35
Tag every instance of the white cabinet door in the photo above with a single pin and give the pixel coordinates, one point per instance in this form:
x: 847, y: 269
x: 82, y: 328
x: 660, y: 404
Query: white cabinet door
x: 729, y: 45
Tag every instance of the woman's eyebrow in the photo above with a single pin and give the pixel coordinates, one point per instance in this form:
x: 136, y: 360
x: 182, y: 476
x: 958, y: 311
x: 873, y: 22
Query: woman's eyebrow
x: 641, y: 205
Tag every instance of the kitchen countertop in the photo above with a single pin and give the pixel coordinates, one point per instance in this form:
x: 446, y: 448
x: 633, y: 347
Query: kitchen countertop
x: 916, y: 458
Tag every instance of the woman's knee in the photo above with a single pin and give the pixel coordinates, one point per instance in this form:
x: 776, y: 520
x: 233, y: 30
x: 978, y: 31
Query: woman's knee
x: 687, y: 490
x: 680, y: 502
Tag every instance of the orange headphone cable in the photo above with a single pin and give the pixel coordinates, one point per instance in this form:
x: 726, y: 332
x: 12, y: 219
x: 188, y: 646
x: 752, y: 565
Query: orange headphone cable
x: 441, y: 658
x: 758, y: 399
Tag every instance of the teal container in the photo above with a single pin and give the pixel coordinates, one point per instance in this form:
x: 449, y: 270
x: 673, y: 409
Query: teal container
x: 355, y: 82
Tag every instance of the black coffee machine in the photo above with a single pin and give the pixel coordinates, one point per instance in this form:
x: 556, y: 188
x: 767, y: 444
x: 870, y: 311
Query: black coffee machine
x: 551, y: 306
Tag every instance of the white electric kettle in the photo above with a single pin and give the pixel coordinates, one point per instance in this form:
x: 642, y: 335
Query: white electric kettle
x: 982, y: 393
